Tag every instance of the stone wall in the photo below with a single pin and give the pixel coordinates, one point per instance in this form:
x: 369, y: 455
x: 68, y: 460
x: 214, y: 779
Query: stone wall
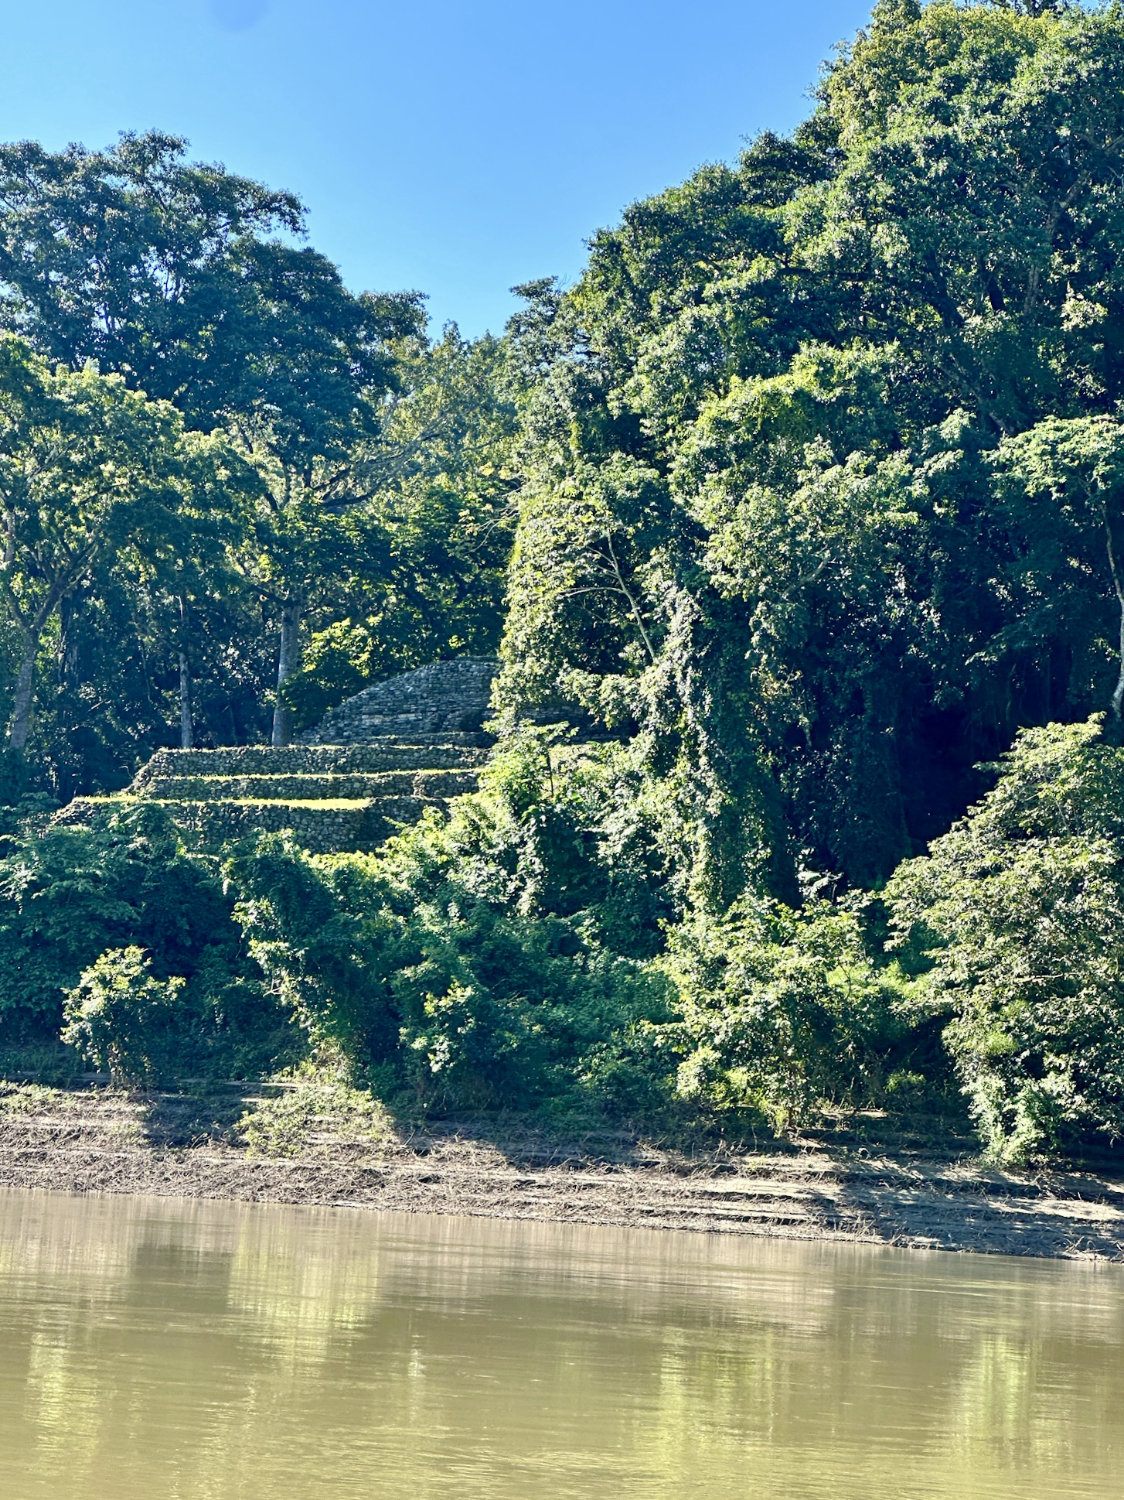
x: 324, y: 787
x: 312, y: 760
x: 448, y: 696
x: 321, y: 828
x: 375, y: 765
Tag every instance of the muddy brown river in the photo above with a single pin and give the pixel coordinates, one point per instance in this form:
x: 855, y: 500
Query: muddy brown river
x: 157, y: 1349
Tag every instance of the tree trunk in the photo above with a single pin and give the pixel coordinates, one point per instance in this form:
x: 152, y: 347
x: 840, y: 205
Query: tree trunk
x: 187, y: 728
x: 19, y: 725
x: 1118, y: 585
x: 288, y: 660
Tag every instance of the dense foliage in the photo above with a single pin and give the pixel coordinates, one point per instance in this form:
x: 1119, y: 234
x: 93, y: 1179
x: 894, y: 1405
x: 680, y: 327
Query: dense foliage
x: 353, y: 511
x: 116, y: 915
x: 820, y: 485
x: 802, y: 507
x: 1016, y: 916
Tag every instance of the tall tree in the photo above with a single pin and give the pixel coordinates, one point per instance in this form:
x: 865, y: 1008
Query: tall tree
x: 1062, y: 487
x: 810, y: 357
x: 423, y: 574
x: 176, y: 276
x: 88, y: 469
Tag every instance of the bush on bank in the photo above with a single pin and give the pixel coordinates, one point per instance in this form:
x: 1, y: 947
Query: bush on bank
x: 497, y: 960
x: 1014, y: 926
x: 96, y: 921
x: 527, y: 954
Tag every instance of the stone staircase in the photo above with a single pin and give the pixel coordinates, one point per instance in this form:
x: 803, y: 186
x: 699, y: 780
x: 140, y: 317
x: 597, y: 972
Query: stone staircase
x: 331, y: 798
x: 375, y: 765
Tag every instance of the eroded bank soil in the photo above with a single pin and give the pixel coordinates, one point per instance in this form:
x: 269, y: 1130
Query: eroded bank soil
x: 100, y: 1140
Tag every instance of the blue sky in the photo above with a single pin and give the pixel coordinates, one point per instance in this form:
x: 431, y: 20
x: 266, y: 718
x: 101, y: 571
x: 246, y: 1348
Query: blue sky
x: 457, y: 148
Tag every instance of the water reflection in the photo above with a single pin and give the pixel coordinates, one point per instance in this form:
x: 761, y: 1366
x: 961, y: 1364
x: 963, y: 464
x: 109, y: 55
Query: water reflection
x: 153, y: 1348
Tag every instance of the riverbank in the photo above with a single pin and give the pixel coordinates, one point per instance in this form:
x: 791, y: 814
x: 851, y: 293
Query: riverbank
x: 101, y: 1140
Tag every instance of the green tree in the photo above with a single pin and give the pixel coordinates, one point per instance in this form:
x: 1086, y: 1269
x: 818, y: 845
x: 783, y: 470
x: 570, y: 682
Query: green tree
x: 88, y: 469
x: 782, y: 1011
x: 310, y: 400
x: 173, y: 275
x: 975, y: 205
x: 1062, y: 484
x: 425, y: 578
x: 811, y: 358
x: 124, y: 1019
x: 1015, y: 920
x: 79, y: 906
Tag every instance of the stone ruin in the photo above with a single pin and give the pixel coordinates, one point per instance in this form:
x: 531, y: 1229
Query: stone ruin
x: 373, y: 766
x: 448, y: 696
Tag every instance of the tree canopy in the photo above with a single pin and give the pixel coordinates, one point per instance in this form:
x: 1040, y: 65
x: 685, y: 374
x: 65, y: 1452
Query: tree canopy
x: 782, y: 507
x: 802, y: 509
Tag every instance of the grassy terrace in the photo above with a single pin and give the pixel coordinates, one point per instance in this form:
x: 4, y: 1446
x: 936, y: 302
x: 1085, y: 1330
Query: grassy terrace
x: 329, y: 798
x: 327, y: 804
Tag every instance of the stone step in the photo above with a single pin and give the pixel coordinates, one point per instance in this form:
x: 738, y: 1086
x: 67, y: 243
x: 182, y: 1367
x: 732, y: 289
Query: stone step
x: 322, y: 827
x: 361, y: 728
x: 438, y: 754
x: 318, y: 786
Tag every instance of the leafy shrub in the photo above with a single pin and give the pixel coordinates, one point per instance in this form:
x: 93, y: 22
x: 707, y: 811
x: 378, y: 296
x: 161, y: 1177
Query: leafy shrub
x: 493, y: 961
x: 518, y: 957
x: 1015, y: 920
x: 470, y: 1004
x: 68, y: 896
x: 511, y: 1011
x: 124, y: 1019
x: 780, y: 1010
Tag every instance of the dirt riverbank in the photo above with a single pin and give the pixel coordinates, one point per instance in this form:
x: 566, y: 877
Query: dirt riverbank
x: 99, y: 1140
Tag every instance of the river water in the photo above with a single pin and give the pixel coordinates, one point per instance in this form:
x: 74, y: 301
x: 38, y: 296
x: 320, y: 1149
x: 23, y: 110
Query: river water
x: 152, y: 1349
